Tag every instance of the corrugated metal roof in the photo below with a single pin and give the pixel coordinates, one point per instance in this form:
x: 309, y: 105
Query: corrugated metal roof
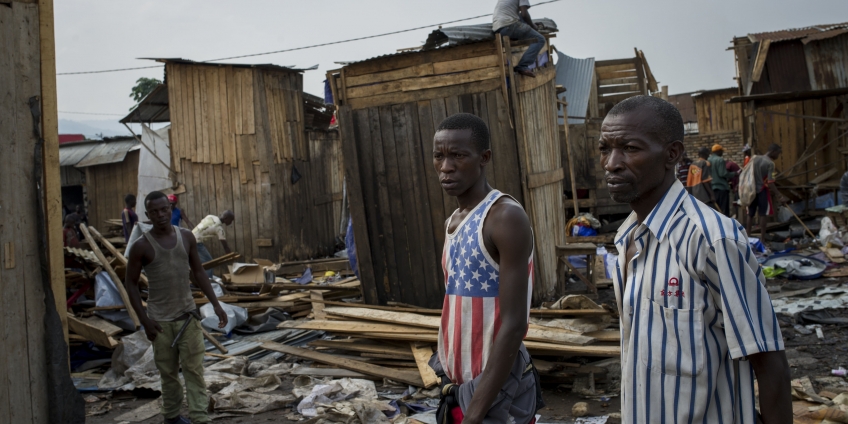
x: 71, y: 154
x: 827, y: 62
x: 108, y: 152
x: 456, y: 35
x: 152, y: 108
x: 795, y: 33
x: 236, y: 65
x: 576, y: 76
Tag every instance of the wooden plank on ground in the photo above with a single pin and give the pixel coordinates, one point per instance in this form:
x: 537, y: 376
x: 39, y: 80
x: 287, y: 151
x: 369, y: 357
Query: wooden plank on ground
x: 91, y: 332
x: 317, y: 304
x: 532, y: 346
x: 433, y: 322
x: 353, y: 327
x: 359, y: 346
x: 422, y: 353
x: 108, y: 268
x: 404, y: 376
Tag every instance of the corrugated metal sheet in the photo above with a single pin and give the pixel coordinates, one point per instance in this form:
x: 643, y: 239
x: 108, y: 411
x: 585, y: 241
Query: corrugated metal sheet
x: 786, y: 69
x: 71, y: 154
x: 827, y: 62
x: 576, y: 76
x: 456, y: 35
x: 108, y: 152
x: 236, y: 65
x: 794, y: 34
x: 153, y: 108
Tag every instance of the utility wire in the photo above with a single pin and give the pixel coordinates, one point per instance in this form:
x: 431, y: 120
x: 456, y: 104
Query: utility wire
x: 91, y: 113
x: 305, y: 47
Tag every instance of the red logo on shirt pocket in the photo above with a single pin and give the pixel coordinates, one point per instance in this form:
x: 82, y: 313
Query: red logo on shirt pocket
x: 674, y: 282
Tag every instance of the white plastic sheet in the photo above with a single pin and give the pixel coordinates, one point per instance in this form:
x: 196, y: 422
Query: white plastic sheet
x: 236, y: 316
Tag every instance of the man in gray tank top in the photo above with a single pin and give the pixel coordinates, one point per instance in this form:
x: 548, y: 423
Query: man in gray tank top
x: 168, y: 255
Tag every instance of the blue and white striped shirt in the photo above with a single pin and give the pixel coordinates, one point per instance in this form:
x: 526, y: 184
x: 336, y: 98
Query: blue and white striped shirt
x: 693, y: 306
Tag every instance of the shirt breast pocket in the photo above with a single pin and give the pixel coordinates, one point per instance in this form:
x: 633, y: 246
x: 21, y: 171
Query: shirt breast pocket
x: 672, y: 341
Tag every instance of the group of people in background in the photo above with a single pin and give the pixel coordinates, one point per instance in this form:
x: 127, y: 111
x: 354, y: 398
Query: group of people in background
x: 736, y: 191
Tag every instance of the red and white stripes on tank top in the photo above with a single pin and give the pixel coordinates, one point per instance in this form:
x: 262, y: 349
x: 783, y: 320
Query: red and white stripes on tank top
x: 471, y: 310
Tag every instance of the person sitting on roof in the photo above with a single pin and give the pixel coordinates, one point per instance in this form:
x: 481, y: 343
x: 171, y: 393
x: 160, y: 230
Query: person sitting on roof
x: 512, y: 19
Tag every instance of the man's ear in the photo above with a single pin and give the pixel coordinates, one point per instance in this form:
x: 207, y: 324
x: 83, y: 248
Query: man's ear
x: 485, y: 157
x: 674, y: 150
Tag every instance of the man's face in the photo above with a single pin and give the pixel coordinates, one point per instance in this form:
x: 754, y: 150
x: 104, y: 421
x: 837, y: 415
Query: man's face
x: 159, y: 212
x: 774, y: 155
x: 634, y: 160
x: 228, y: 220
x: 457, y: 161
x: 131, y: 203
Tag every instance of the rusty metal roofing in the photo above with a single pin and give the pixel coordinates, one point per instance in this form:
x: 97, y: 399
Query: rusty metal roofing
x: 576, y: 75
x: 827, y: 62
x: 235, y: 65
x: 71, y: 154
x: 456, y: 35
x: 797, y: 33
x: 153, y: 108
x: 108, y: 151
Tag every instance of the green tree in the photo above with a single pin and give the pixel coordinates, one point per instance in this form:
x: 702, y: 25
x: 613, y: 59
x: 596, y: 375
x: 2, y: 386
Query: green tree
x: 143, y: 87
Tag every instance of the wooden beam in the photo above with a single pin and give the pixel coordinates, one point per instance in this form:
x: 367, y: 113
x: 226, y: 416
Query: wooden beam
x: 652, y: 82
x: 540, y: 179
x: 814, y: 147
x: 546, y: 348
x: 760, y: 60
x: 50, y: 156
x: 108, y: 268
x: 93, y: 330
x: 404, y: 376
x: 422, y: 353
x: 571, y: 171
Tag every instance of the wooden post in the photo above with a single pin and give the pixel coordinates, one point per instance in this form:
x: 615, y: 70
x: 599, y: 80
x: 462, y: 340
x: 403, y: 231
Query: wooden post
x: 564, y: 106
x: 108, y: 268
x: 52, y: 181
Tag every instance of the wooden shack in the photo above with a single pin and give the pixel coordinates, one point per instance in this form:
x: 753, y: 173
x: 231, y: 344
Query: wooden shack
x: 239, y: 141
x: 36, y: 385
x: 792, y: 88
x: 98, y: 174
x: 592, y: 88
x: 390, y: 107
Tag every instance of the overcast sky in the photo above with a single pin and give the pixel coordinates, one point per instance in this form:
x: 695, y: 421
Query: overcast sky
x: 685, y: 42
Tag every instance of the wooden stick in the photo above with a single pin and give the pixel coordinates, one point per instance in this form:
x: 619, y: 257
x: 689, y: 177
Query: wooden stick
x: 214, y: 341
x: 802, y: 222
x: 116, y: 253
x: 564, y: 106
x: 118, y: 283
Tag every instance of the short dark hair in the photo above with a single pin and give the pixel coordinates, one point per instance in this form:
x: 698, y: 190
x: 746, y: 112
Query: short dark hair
x: 129, y: 198
x: 670, y: 125
x: 154, y: 195
x: 467, y: 121
x: 775, y: 148
x: 703, y: 152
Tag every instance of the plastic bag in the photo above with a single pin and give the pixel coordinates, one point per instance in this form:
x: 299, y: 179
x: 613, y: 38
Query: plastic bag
x: 236, y: 316
x: 106, y: 294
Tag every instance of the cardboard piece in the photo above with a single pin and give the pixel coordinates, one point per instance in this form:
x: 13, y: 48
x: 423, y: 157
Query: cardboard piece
x: 244, y: 273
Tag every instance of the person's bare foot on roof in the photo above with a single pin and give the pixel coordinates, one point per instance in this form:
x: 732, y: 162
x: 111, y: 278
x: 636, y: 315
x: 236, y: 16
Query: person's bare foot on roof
x: 526, y: 73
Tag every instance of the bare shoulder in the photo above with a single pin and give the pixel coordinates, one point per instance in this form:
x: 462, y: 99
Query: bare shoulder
x: 507, y: 212
x: 140, y: 248
x: 185, y: 232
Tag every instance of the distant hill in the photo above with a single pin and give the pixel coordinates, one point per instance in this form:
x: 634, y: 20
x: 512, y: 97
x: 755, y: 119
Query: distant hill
x: 107, y: 127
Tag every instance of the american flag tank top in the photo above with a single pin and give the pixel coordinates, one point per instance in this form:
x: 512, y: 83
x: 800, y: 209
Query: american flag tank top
x: 471, y: 310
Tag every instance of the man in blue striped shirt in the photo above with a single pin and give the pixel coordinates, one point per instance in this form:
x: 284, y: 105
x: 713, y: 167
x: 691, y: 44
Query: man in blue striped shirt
x: 697, y: 324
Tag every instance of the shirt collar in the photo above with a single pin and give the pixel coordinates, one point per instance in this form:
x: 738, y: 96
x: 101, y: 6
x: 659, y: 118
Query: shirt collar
x: 659, y: 220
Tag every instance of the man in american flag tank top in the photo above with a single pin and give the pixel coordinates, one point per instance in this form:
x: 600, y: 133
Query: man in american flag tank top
x: 488, y: 269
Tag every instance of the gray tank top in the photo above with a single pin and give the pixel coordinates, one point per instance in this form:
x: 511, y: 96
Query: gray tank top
x: 169, y: 294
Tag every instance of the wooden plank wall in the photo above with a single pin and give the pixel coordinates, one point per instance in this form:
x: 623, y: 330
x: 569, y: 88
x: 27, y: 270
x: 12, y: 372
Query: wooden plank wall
x: 543, y: 164
x: 23, y: 361
x: 774, y: 124
x: 237, y: 139
x: 398, y: 207
x: 716, y: 116
x: 107, y: 185
x: 71, y: 176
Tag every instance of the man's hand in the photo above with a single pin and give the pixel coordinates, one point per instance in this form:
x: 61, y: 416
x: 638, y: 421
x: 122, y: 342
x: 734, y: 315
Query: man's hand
x: 222, y: 316
x: 152, y: 329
